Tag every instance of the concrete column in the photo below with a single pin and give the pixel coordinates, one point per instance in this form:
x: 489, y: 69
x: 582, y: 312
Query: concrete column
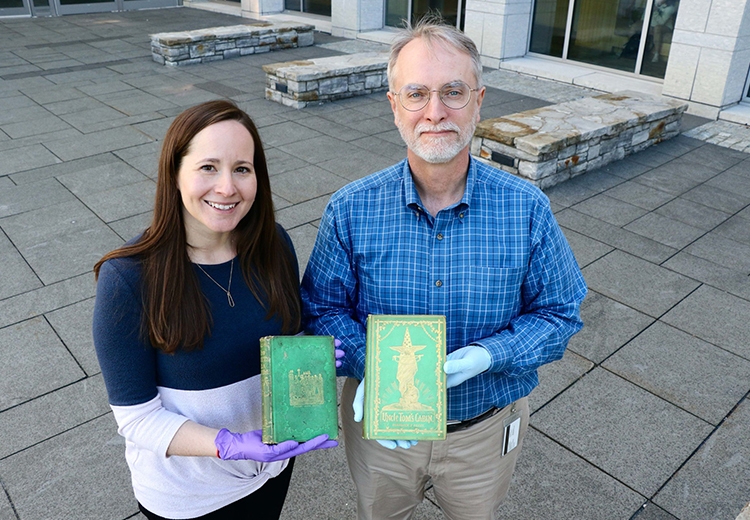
x: 499, y: 28
x: 258, y: 8
x: 349, y: 17
x: 710, y: 54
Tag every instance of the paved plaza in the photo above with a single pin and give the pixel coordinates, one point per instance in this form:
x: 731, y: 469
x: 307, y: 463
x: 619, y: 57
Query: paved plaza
x: 646, y: 417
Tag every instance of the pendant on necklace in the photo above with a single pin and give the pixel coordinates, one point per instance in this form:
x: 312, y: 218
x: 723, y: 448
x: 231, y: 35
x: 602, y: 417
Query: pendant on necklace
x: 230, y: 300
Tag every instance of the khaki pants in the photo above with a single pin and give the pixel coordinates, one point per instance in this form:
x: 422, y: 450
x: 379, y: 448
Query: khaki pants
x: 470, y: 476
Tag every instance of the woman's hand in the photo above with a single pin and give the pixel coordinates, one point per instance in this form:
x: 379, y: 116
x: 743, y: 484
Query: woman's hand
x: 249, y: 446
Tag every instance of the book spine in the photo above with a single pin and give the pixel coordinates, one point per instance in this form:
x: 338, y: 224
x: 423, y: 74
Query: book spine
x: 265, y: 384
x: 370, y: 380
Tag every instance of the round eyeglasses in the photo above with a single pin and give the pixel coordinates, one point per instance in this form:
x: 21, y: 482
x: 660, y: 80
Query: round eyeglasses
x: 455, y: 95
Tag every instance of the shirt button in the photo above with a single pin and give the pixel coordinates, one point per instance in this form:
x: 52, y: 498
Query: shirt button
x: 439, y: 283
x: 460, y: 215
x: 439, y: 236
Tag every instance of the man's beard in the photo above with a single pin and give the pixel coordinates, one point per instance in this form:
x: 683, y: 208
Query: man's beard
x: 437, y: 150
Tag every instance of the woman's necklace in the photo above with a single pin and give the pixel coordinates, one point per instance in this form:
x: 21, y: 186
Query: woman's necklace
x: 230, y: 300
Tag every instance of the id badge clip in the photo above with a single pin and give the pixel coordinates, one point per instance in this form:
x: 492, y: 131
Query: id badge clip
x: 511, y: 430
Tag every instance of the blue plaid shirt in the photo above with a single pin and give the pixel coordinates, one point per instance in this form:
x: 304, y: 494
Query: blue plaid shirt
x: 496, y: 265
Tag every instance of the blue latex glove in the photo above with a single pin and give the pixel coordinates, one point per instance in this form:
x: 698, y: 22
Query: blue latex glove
x: 249, y: 446
x: 465, y: 363
x: 359, y: 406
x: 339, y: 353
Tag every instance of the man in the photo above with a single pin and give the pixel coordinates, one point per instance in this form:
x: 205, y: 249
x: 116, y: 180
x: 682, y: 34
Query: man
x: 441, y: 233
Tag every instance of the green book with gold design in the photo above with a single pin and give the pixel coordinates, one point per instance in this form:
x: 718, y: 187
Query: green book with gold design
x: 405, y: 394
x: 298, y: 379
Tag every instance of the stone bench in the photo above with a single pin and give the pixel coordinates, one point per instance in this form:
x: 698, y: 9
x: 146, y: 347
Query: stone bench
x: 551, y: 144
x: 298, y: 83
x: 219, y: 43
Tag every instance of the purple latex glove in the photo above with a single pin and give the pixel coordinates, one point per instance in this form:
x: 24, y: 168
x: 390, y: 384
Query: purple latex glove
x: 249, y: 446
x: 339, y: 353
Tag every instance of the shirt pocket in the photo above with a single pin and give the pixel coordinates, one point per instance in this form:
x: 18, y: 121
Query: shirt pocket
x: 493, y: 299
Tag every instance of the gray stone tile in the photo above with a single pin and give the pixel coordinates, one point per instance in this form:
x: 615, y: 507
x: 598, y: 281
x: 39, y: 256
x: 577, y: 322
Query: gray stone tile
x: 100, y: 178
x: 586, y: 250
x: 555, y: 377
x: 123, y: 201
x: 724, y: 278
x: 144, y: 158
x: 302, y: 213
x: 665, y: 230
x: 566, y: 194
x: 55, y: 94
x: 23, y: 158
x: 81, y: 473
x: 285, y: 133
x: 51, y: 414
x: 715, y: 156
x: 607, y: 326
x: 280, y: 162
x: 84, y: 120
x: 614, y: 236
x: 677, y: 176
x: 631, y: 434
x: 736, y: 228
x: 371, y: 126
x: 73, y: 325
x: 716, y: 478
x: 20, y: 114
x: 679, y: 145
x: 18, y: 277
x: 130, y: 227
x: 742, y: 169
x: 315, y: 150
x: 76, y: 104
x: 60, y: 241
x: 713, y: 197
x: 692, y: 213
x: 63, y: 168
x: 652, y: 157
x: 640, y: 195
x: 625, y: 168
x: 36, y: 302
x: 716, y: 317
x: 543, y: 487
x: 610, y: 210
x: 303, y: 238
x: 30, y: 197
x: 156, y: 129
x: 637, y: 283
x: 729, y: 181
x: 364, y: 164
x: 651, y: 511
x: 684, y: 370
x: 307, y: 183
x: 331, y: 128
x: 35, y: 127
x: 723, y: 251
x: 96, y: 143
x: 34, y: 362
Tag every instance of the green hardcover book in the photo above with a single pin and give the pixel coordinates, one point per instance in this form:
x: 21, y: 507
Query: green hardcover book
x: 298, y: 378
x: 405, y: 394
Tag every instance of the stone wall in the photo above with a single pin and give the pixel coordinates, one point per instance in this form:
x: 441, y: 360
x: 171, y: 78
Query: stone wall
x: 299, y: 83
x: 552, y: 144
x: 219, y: 43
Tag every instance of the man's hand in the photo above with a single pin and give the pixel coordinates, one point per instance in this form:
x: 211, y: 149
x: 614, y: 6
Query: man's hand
x: 465, y: 363
x: 359, y: 405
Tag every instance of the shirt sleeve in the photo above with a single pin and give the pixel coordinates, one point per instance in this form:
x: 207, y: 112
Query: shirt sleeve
x: 551, y: 296
x: 329, y: 293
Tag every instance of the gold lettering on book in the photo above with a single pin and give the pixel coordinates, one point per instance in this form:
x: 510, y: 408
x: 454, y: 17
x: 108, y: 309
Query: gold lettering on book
x: 406, y: 371
x: 305, y: 388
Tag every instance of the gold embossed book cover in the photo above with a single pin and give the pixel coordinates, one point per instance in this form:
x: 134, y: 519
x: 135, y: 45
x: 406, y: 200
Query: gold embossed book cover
x: 405, y: 394
x: 298, y: 379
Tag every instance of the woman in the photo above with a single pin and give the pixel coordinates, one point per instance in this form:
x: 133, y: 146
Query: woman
x: 178, y: 316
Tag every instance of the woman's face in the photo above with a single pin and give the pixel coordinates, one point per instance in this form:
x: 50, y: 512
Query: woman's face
x: 217, y: 180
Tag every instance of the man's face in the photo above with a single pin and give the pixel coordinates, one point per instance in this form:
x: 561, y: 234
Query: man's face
x: 436, y: 133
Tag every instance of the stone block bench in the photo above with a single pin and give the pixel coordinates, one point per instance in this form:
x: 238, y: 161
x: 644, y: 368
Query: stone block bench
x: 298, y: 83
x: 219, y: 43
x: 551, y: 144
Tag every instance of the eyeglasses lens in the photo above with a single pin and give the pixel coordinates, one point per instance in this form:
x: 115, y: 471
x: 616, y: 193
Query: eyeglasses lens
x: 453, y: 95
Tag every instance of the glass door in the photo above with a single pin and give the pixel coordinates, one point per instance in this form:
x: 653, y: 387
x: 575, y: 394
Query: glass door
x: 15, y: 8
x: 321, y: 7
x: 606, y: 33
x: 398, y: 12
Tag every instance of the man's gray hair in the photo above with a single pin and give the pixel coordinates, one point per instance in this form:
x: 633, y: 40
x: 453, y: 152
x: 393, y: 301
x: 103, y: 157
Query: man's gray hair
x: 432, y: 28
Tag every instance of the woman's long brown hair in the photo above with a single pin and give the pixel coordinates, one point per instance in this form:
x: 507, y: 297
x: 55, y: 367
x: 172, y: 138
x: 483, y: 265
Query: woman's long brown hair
x: 175, y: 312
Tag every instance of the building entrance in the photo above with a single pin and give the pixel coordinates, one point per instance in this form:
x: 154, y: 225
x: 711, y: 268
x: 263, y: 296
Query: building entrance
x: 399, y: 11
x: 628, y: 35
x: 321, y: 7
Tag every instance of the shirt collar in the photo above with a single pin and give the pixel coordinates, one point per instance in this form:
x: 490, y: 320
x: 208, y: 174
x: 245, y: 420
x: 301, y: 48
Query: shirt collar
x: 410, y: 190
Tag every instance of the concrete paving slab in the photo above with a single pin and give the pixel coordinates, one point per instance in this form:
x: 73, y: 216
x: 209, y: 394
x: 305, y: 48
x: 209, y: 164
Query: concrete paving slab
x: 17, y: 159
x: 62, y: 168
x: 608, y: 325
x: 96, y: 143
x: 36, y: 362
x: 60, y: 241
x: 123, y: 201
x: 78, y: 474
x: 684, y: 370
x: 31, y: 197
x: 395, y: 152
x: 722, y: 251
x: 302, y: 213
x: 608, y: 209
x: 732, y: 182
x: 307, y: 183
x: 614, y: 236
x: 692, y: 213
x: 73, y: 325
x: 625, y: 431
x: 128, y: 228
x: 736, y: 228
x: 366, y: 162
x: 716, y: 317
x: 303, y: 238
x: 665, y: 230
x: 626, y: 168
x: 18, y: 277
x: 640, y: 195
x: 100, y: 178
x: 728, y: 280
x: 555, y: 377
x: 677, y: 176
x: 331, y: 128
x: 717, y: 198
x: 637, y: 283
x: 279, y: 162
x: 715, y: 156
x: 716, y: 478
x: 285, y: 133
x: 585, y: 249
x: 35, y: 127
x: 543, y: 489
x: 651, y: 511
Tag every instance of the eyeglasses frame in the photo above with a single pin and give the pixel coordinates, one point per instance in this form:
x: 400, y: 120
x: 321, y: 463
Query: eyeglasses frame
x: 429, y: 96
